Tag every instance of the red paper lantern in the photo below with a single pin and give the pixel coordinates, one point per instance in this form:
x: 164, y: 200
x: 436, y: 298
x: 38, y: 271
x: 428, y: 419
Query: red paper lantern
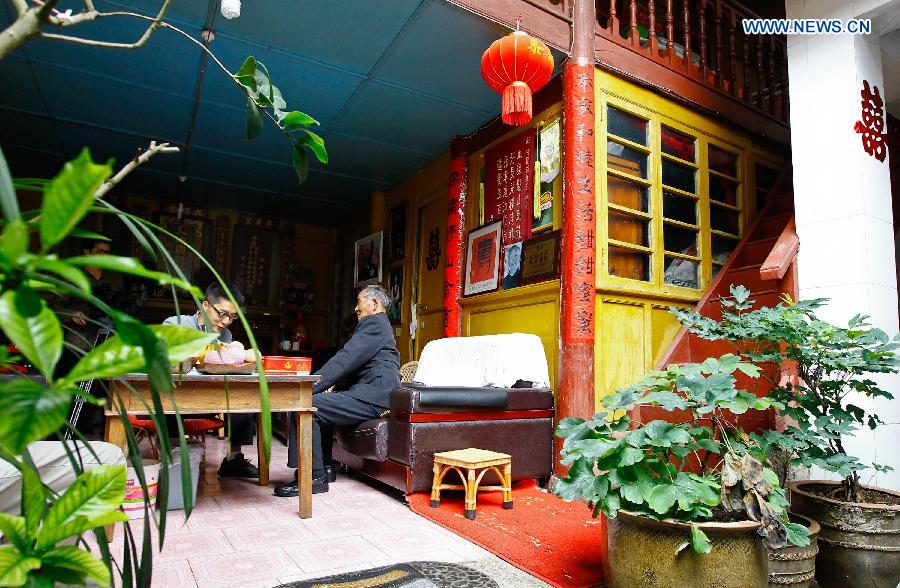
x: 515, y: 66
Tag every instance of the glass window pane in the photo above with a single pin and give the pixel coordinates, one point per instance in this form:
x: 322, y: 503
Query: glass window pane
x: 765, y: 177
x: 628, y: 229
x: 627, y: 126
x: 678, y: 144
x: 627, y: 160
x: 680, y: 208
x: 723, y: 162
x: 625, y: 193
x: 722, y: 248
x: 724, y: 219
x: 723, y: 190
x: 679, y: 240
x: 679, y: 176
x: 715, y: 270
x: 629, y: 264
x: 682, y: 272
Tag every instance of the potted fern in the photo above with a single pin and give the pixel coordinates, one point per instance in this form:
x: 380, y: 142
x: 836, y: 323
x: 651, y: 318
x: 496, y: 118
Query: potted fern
x: 694, y: 491
x: 860, y: 536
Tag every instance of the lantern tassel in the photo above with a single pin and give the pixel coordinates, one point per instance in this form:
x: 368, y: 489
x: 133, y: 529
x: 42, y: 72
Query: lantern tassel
x: 516, y: 110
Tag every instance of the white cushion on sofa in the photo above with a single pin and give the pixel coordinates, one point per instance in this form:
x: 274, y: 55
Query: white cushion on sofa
x: 490, y: 360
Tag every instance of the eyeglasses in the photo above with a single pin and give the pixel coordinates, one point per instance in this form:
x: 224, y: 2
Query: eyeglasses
x: 223, y: 315
x: 101, y: 251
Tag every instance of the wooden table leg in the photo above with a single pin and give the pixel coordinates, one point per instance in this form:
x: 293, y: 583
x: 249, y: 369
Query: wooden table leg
x: 114, y: 432
x: 304, y: 457
x: 263, y: 463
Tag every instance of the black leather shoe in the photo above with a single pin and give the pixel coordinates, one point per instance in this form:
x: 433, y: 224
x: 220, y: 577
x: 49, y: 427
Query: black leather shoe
x: 319, y: 485
x: 331, y: 472
x: 238, y: 467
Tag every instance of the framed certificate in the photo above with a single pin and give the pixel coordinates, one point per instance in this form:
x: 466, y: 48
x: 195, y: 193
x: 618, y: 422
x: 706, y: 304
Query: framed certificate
x: 483, y: 259
x: 540, y: 258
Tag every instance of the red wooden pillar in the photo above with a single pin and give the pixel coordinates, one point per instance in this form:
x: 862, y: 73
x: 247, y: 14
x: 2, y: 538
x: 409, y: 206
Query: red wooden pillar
x: 575, y: 394
x: 456, y: 233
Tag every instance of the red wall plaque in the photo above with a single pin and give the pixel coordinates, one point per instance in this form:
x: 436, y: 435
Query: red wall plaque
x: 508, y: 186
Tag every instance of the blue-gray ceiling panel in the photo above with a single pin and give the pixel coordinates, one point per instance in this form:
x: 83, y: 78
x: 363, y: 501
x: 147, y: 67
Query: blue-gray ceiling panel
x: 239, y: 171
x: 17, y: 88
x: 346, y: 33
x: 114, y: 104
x: 441, y: 55
x: 376, y: 160
x: 403, y: 117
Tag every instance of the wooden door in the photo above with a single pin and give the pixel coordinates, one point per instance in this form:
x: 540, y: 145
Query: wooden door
x: 429, y: 282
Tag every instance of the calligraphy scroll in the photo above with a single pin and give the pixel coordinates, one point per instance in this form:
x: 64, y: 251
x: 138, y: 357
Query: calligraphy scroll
x: 456, y: 226
x: 251, y: 261
x: 508, y: 191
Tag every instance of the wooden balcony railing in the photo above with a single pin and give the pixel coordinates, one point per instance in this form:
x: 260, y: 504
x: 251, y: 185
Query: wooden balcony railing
x: 705, y: 41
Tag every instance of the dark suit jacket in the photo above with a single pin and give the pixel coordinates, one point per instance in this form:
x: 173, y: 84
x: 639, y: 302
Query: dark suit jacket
x: 368, y: 366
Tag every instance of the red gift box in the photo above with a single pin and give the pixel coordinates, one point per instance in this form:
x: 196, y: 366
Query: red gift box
x: 282, y: 364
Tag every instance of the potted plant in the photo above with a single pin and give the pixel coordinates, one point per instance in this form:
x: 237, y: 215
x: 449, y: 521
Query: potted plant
x: 860, y: 536
x: 688, y: 501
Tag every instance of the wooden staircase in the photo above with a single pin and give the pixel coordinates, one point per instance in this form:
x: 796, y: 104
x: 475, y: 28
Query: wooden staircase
x: 765, y: 262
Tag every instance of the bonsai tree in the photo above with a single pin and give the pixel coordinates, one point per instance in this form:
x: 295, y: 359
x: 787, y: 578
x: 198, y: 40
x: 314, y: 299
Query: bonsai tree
x: 832, y: 367
x: 702, y: 469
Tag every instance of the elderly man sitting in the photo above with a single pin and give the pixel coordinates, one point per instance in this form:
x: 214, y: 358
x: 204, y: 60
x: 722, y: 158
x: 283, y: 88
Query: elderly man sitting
x: 359, y: 379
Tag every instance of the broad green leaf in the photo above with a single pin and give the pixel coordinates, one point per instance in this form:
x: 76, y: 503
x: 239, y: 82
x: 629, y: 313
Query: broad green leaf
x: 630, y: 456
x: 581, y: 483
x: 317, y: 145
x: 34, y: 502
x: 245, y: 75
x: 771, y: 477
x: 662, y: 498
x: 87, y: 503
x: 73, y: 558
x: 73, y: 275
x: 9, y: 202
x: 131, y: 266
x: 13, y: 529
x: 254, y: 120
x: 569, y: 426
x: 14, y: 239
x: 632, y: 493
x: 797, y: 534
x: 300, y: 160
x: 30, y: 412
x: 14, y: 566
x: 297, y: 120
x: 69, y: 196
x: 39, y: 337
x: 114, y: 357
x: 699, y: 540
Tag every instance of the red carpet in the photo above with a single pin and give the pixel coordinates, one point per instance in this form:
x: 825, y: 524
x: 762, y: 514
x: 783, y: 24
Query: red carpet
x: 556, y: 541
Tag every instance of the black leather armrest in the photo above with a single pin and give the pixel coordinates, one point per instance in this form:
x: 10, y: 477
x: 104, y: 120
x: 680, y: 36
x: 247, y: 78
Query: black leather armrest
x: 416, y: 398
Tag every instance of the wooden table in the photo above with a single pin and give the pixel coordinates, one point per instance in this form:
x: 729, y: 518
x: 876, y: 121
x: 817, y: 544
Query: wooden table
x: 204, y: 394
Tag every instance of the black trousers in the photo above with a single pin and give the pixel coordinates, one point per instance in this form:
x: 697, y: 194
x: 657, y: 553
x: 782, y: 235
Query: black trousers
x: 334, y: 409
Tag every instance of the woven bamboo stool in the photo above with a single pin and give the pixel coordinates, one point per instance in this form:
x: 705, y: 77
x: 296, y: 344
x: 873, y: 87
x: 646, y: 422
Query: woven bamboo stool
x: 476, y: 462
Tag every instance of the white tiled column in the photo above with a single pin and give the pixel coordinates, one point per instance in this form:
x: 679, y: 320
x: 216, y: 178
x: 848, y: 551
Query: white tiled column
x: 843, y: 200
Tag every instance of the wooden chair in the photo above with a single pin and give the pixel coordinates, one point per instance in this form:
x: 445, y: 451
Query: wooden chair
x: 408, y: 371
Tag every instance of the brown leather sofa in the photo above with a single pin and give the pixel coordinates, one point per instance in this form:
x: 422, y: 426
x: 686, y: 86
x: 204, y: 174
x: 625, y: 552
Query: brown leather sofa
x: 399, y: 449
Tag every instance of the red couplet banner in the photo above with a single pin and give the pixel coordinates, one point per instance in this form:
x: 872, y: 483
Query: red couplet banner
x: 508, y: 185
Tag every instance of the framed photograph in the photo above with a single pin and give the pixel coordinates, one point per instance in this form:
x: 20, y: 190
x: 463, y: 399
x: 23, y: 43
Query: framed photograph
x: 367, y: 263
x: 483, y: 259
x: 395, y: 290
x: 540, y: 258
x: 512, y: 266
x: 397, y: 232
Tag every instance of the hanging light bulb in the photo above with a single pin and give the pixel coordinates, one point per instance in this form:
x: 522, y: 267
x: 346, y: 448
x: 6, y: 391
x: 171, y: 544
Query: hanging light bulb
x: 231, y: 8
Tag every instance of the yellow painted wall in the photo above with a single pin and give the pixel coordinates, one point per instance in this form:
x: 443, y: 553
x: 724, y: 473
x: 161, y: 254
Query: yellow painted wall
x: 427, y: 191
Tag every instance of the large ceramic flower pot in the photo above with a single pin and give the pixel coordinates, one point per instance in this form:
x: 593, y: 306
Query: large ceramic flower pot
x: 859, y: 544
x: 644, y: 552
x: 792, y: 566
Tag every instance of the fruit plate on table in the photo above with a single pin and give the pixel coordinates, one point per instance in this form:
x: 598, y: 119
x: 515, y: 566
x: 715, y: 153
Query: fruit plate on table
x: 283, y: 364
x: 222, y: 369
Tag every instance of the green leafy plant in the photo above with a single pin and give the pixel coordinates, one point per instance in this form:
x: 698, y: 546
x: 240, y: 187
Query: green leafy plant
x: 702, y: 468
x: 832, y: 366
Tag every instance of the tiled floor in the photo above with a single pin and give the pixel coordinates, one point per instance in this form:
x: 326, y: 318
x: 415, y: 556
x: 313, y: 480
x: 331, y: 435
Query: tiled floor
x: 240, y: 534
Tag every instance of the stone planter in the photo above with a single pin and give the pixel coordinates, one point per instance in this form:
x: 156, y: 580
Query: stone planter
x: 859, y: 544
x: 644, y: 552
x: 794, y: 566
